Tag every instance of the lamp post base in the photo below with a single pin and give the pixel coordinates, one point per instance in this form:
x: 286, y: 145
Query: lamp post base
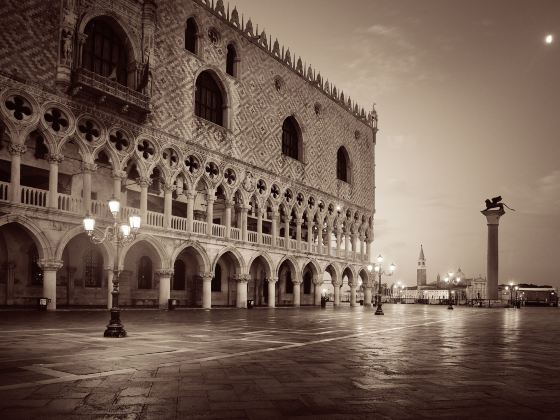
x: 379, y: 310
x: 115, y: 329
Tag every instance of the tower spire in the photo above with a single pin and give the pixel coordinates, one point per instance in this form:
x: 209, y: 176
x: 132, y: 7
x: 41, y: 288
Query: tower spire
x: 421, y: 257
x: 421, y: 269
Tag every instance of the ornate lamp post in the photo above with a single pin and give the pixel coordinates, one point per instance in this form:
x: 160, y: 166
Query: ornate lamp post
x: 451, y: 280
x: 511, y: 288
x: 379, y: 270
x: 120, y: 236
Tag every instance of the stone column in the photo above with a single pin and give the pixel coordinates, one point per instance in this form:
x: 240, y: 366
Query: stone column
x: 207, y: 290
x: 167, y: 205
x: 299, y: 222
x: 16, y: 152
x: 318, y: 282
x: 164, y: 286
x: 259, y: 225
x: 492, y: 263
x: 274, y: 232
x: 329, y: 234
x: 368, y: 249
x: 338, y: 240
x: 241, y: 301
x: 110, y: 275
x: 347, y: 243
x: 54, y: 161
x: 144, y: 182
x: 320, y: 237
x: 352, y: 293
x: 244, y: 211
x: 229, y: 205
x: 354, y: 245
x: 297, y: 292
x: 87, y: 169
x: 211, y: 197
x: 287, y: 230
x: 309, y: 231
x: 336, y: 285
x: 190, y: 212
x: 50, y: 267
x: 272, y: 292
x: 368, y: 289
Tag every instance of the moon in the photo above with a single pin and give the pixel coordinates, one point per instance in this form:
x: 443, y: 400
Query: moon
x: 548, y: 39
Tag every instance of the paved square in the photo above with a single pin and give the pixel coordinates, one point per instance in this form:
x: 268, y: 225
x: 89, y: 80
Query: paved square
x: 414, y: 362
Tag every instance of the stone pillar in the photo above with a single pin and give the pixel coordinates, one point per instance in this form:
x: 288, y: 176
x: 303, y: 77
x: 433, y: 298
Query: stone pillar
x: 320, y: 237
x: 318, y: 282
x: 272, y: 292
x: 287, y: 230
x: 329, y: 234
x: 492, y: 263
x: 338, y: 240
x: 110, y: 275
x: 259, y: 225
x: 309, y: 231
x: 241, y: 301
x: 118, y: 177
x: 368, y: 289
x: 87, y: 169
x: 190, y: 212
x: 211, y: 197
x: 368, y: 249
x: 274, y: 232
x: 144, y: 182
x: 167, y: 205
x: 16, y: 152
x: 164, y: 287
x: 299, y: 222
x: 54, y: 161
x: 229, y: 205
x: 347, y: 243
x: 207, y: 290
x: 354, y: 245
x: 352, y: 293
x: 50, y: 267
x: 297, y: 292
x: 244, y: 211
x: 336, y: 285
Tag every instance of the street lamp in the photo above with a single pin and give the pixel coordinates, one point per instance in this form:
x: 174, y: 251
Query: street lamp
x: 511, y: 288
x: 120, y: 236
x: 451, y: 280
x: 379, y: 270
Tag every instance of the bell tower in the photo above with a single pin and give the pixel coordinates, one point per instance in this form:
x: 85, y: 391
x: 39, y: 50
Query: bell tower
x: 421, y: 269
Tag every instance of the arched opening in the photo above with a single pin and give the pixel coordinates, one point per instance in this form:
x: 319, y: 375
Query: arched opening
x: 209, y: 99
x: 291, y: 139
x: 231, y: 61
x: 138, y: 284
x: 330, y: 282
x: 178, y: 282
x: 285, y: 285
x: 187, y: 280
x: 105, y: 52
x: 216, y: 285
x: 362, y: 284
x: 347, y: 279
x: 191, y: 36
x: 145, y: 273
x: 342, y: 165
x: 258, y: 287
x: 229, y: 267
x: 308, y: 292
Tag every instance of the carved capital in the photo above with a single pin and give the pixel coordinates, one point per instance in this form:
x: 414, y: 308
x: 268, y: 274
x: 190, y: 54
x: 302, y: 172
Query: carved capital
x: 50, y: 265
x: 169, y: 188
x: 119, y: 174
x: 317, y: 281
x: 190, y: 195
x: 207, y: 276
x: 242, y: 278
x: 55, y: 158
x: 272, y: 280
x: 229, y: 204
x: 88, y: 167
x: 165, y: 272
x: 299, y: 221
x: 337, y: 283
x: 143, y: 181
x: 17, y: 149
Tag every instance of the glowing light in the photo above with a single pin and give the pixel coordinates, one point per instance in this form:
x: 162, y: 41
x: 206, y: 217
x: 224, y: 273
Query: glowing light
x: 549, y: 39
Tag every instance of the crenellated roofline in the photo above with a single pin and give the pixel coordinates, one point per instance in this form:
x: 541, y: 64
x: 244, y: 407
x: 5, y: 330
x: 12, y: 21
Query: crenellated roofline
x: 284, y: 56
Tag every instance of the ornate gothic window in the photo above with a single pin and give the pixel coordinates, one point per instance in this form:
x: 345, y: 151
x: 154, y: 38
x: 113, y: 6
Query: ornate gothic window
x: 35, y: 272
x: 231, y: 61
x: 216, y: 285
x: 93, y: 268
x: 104, y: 52
x: 145, y: 273
x: 178, y: 275
x: 289, y: 283
x: 291, y: 138
x: 191, y: 36
x: 208, y: 99
x: 342, y: 165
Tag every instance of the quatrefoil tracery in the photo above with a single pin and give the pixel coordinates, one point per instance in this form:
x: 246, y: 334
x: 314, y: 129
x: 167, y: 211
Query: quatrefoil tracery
x: 146, y: 149
x: 212, y: 170
x: 275, y: 191
x: 230, y: 176
x: 300, y: 199
x: 170, y: 157
x: 56, y: 119
x: 192, y: 164
x: 19, y: 107
x: 261, y: 186
x: 119, y: 140
x: 89, y: 130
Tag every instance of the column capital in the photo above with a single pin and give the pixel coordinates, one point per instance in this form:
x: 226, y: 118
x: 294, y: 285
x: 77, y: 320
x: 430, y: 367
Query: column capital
x: 119, y: 174
x: 272, y: 279
x: 143, y: 181
x: 207, y: 276
x: 165, y: 272
x: 56, y: 158
x: 169, y: 188
x: 299, y: 221
x: 493, y: 216
x: 190, y: 195
x: 242, y: 278
x: 317, y: 281
x: 337, y: 283
x: 17, y: 149
x: 210, y: 198
x: 297, y: 282
x: 50, y: 265
x: 88, y: 167
x: 229, y: 204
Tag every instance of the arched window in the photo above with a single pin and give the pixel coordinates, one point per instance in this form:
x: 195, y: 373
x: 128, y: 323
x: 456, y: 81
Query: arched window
x: 216, y: 285
x: 35, y: 272
x: 191, y: 36
x: 178, y: 275
x: 289, y: 282
x: 342, y: 163
x: 104, y: 51
x: 231, y: 61
x: 93, y: 268
x: 307, y: 283
x: 208, y: 99
x: 145, y: 273
x: 291, y: 138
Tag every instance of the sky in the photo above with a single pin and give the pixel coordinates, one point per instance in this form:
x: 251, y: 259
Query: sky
x: 468, y: 96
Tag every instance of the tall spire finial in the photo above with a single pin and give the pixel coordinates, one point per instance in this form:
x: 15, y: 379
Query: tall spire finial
x: 421, y: 257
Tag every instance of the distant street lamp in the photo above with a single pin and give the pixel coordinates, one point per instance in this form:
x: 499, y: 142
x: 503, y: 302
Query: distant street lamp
x: 379, y: 270
x: 511, y: 288
x: 451, y: 280
x: 120, y: 236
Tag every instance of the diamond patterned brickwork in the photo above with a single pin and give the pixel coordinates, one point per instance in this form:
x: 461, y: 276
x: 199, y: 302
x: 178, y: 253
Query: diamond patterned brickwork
x: 29, y: 39
x: 257, y: 108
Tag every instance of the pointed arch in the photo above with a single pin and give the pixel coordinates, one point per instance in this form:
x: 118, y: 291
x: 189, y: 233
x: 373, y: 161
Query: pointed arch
x: 199, y: 252
x: 153, y: 243
x: 212, y: 99
x: 106, y: 248
x: 237, y: 258
x: 292, y: 141
x: 291, y: 261
x: 232, y: 60
x: 264, y: 256
x: 44, y: 247
x: 343, y: 165
x: 191, y: 35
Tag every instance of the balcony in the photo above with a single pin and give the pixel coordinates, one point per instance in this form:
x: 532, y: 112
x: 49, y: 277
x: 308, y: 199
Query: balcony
x: 110, y: 92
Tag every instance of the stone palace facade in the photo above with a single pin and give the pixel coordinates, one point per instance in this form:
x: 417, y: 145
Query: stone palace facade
x: 253, y: 175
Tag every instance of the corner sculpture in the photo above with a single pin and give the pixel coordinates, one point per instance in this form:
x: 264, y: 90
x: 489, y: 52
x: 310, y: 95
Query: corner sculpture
x: 493, y: 211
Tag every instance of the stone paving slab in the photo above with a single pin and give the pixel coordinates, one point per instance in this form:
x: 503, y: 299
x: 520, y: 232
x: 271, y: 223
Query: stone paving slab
x: 414, y: 362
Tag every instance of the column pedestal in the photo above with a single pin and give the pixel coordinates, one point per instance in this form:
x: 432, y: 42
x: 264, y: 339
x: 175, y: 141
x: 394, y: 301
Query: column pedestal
x: 492, y: 263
